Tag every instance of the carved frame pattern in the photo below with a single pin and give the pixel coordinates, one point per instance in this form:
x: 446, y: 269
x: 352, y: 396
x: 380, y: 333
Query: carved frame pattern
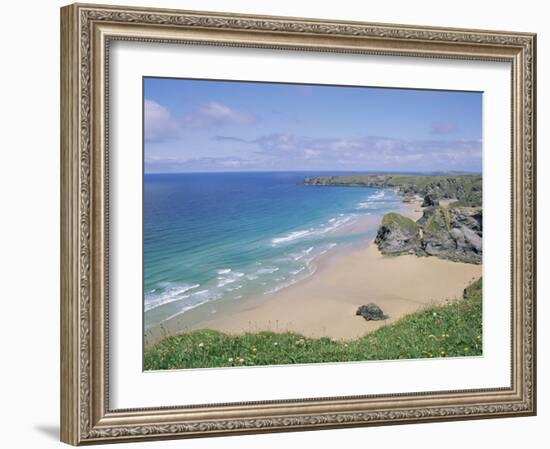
x: 87, y: 31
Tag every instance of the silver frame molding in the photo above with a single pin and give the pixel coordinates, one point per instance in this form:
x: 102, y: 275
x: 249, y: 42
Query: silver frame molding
x: 86, y: 33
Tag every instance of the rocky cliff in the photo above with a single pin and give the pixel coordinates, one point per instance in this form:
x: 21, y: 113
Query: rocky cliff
x: 453, y: 233
x: 397, y: 235
x: 465, y: 189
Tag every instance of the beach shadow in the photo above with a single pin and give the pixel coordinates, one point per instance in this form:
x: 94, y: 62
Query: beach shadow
x: 51, y: 431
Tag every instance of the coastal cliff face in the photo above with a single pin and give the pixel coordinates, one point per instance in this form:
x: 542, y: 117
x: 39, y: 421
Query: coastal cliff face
x: 397, y: 234
x: 465, y: 189
x: 452, y: 232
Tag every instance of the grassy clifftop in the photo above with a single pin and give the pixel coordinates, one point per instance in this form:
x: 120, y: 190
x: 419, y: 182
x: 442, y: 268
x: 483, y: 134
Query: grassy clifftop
x: 397, y: 234
x: 467, y: 189
x: 394, y: 218
x: 451, y: 232
x: 448, y: 330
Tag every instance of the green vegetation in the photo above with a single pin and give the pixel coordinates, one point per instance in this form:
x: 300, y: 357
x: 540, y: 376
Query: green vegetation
x: 465, y: 188
x: 449, y: 330
x: 438, y: 223
x: 401, y: 221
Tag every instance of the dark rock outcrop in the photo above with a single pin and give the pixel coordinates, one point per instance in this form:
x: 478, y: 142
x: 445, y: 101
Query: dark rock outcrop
x: 454, y: 234
x: 371, y: 312
x: 430, y: 200
x: 397, y: 235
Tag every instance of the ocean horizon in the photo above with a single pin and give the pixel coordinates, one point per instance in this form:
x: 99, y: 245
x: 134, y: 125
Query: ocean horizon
x: 237, y: 235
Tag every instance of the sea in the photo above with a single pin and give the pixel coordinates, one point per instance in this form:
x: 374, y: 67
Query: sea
x: 212, y: 236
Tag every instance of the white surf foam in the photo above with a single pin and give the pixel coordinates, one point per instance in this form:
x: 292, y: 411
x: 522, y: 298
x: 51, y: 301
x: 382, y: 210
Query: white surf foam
x: 332, y: 225
x: 175, y: 293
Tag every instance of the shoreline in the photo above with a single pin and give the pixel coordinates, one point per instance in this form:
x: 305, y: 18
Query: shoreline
x: 324, y: 303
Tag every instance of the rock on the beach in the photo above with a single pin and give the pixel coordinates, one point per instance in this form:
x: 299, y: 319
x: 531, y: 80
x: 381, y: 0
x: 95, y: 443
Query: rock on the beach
x: 371, y: 312
x: 409, y: 198
x: 454, y: 234
x: 397, y: 234
x: 430, y: 200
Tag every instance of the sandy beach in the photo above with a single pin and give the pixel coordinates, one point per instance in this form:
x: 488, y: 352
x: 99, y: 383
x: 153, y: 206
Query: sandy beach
x: 325, y: 303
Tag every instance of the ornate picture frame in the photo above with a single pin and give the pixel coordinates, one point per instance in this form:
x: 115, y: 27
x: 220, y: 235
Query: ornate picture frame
x: 87, y: 32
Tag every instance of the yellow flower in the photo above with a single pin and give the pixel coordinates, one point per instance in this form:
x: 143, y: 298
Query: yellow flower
x: 254, y: 349
x: 230, y: 359
x: 466, y: 349
x: 478, y: 337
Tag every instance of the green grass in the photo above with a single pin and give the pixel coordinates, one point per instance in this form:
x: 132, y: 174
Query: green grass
x: 450, y: 330
x: 465, y: 188
x: 401, y: 221
x: 438, y: 223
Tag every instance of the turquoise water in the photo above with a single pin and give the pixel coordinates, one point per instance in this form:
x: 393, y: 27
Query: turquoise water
x: 209, y: 236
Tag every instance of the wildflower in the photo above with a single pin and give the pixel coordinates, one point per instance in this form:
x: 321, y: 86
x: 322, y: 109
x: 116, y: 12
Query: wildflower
x: 230, y: 359
x: 443, y: 353
x: 241, y: 360
x: 434, y: 314
x: 466, y: 349
x: 345, y: 345
x: 254, y: 349
x: 275, y: 344
x: 431, y: 336
x: 201, y: 344
x: 300, y: 342
x: 478, y: 337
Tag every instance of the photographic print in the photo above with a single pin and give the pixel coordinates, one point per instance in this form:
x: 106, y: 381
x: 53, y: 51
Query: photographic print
x: 306, y: 196
x: 293, y: 223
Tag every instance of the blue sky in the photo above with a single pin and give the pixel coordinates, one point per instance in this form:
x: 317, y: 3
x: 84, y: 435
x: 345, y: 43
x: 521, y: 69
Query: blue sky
x: 199, y: 125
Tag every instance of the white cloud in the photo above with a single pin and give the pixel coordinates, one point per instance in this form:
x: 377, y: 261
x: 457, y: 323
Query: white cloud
x: 175, y: 164
x: 161, y: 125
x: 372, y: 152
x: 158, y: 121
x: 213, y: 113
x: 443, y: 128
x: 368, y: 153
